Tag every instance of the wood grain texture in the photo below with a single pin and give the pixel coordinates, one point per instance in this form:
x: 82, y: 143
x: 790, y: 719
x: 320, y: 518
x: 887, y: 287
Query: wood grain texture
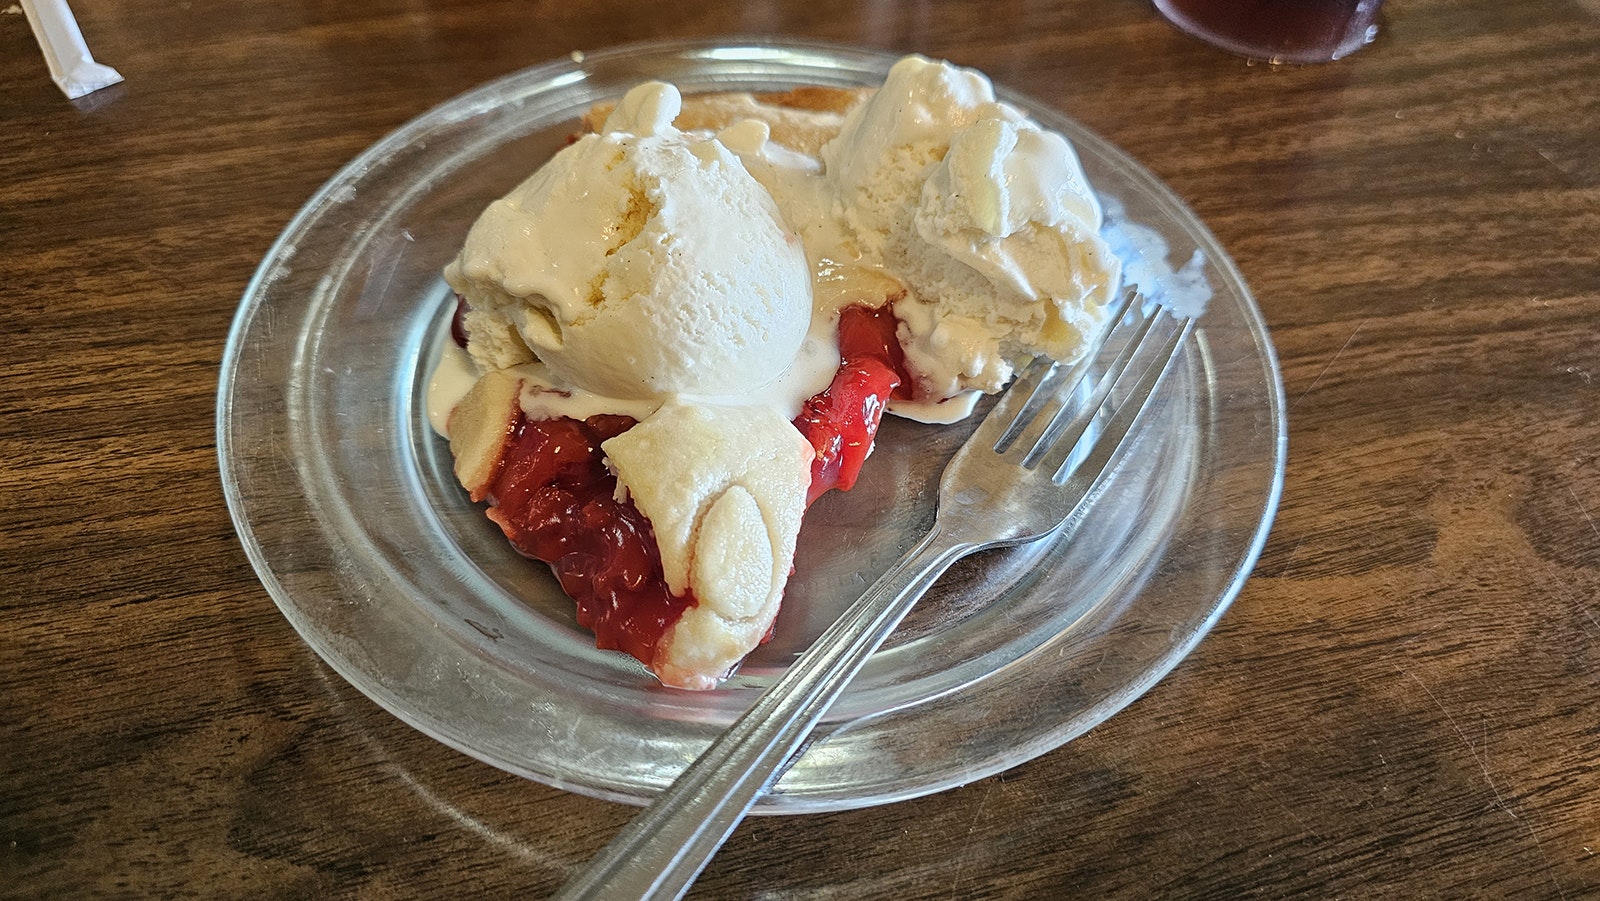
x: 1401, y: 703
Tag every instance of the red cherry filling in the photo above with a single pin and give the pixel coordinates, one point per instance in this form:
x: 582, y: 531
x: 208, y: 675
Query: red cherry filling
x: 458, y: 322
x: 556, y: 501
x: 842, y: 421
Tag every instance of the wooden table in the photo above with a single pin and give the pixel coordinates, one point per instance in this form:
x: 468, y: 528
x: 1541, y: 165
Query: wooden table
x: 1402, y: 702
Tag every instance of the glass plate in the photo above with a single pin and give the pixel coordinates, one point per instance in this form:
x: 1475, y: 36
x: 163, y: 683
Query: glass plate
x: 345, y: 503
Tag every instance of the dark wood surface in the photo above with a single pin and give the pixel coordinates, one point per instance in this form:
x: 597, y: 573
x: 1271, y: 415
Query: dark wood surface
x: 1404, y: 701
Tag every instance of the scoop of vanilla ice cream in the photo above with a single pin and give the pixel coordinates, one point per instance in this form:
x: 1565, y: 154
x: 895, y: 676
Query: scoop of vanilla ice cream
x: 986, y: 217
x: 639, y: 263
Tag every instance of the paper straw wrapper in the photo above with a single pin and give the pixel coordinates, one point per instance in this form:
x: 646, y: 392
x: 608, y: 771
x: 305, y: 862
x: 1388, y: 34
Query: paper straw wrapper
x: 71, y: 66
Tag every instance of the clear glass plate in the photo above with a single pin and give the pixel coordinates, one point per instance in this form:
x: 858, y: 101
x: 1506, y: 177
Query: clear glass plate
x: 344, y: 499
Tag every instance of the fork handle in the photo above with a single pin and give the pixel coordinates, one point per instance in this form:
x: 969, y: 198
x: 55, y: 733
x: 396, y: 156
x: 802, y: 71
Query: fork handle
x: 659, y: 854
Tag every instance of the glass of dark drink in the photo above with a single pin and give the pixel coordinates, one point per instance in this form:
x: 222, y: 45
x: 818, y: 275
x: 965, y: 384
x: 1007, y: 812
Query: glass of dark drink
x: 1280, y: 31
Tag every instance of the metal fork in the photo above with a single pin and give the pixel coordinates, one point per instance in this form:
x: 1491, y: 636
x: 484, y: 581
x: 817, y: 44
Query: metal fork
x: 1030, y: 466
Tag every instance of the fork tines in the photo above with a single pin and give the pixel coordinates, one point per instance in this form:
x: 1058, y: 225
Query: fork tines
x: 1043, y: 418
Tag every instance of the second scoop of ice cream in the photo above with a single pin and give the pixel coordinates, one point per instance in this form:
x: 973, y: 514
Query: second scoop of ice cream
x: 638, y: 264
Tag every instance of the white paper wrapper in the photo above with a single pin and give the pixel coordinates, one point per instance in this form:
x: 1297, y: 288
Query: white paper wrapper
x: 71, y: 66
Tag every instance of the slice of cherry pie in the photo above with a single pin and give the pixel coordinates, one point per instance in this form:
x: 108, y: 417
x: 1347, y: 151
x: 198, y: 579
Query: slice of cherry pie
x: 687, y: 328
